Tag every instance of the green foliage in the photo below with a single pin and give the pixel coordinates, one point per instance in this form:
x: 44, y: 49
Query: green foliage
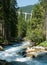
x: 27, y: 9
x: 10, y: 19
x: 1, y: 11
x: 44, y: 4
x: 32, y: 28
x: 28, y: 32
x: 13, y: 20
x: 1, y: 18
x: 43, y: 44
x: 35, y: 25
x: 21, y: 26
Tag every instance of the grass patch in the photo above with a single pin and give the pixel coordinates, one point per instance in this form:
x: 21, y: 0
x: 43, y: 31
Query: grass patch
x: 43, y: 44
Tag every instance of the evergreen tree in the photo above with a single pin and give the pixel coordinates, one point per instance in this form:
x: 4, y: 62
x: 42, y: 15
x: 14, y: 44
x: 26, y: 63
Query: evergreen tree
x: 14, y: 20
x: 10, y: 19
x: 28, y: 31
x: 1, y: 13
x: 44, y: 4
x: 35, y: 25
x: 6, y: 13
x: 1, y: 21
x: 21, y: 26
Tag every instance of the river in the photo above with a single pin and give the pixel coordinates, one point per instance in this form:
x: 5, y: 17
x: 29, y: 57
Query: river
x: 10, y: 54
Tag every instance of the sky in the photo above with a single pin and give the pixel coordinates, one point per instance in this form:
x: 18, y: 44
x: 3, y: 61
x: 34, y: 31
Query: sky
x: 26, y: 2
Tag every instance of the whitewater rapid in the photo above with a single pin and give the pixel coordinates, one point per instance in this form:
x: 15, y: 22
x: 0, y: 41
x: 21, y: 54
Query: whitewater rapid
x: 10, y: 54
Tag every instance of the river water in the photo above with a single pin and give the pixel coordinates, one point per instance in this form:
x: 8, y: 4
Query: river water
x: 10, y: 54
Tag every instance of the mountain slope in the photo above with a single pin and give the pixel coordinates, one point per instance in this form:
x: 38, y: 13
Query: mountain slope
x: 27, y: 9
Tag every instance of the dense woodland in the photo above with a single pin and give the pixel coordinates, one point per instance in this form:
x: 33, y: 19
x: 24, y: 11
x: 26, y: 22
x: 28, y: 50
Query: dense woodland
x: 15, y: 26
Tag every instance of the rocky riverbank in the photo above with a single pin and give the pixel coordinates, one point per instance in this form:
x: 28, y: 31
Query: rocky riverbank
x: 10, y: 54
x: 35, y: 50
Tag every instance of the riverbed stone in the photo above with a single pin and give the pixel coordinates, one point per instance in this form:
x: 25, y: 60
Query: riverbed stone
x: 32, y: 52
x: 1, y: 48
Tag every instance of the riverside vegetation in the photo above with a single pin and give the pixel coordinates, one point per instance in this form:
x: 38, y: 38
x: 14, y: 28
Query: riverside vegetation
x: 15, y: 27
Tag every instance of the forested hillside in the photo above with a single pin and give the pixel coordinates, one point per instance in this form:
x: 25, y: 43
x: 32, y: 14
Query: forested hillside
x: 27, y: 9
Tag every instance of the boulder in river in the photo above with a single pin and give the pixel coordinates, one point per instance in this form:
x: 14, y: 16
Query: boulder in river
x: 1, y: 48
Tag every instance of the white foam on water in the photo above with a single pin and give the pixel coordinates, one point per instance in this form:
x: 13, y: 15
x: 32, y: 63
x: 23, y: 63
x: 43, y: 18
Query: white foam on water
x: 23, y: 59
x: 10, y: 55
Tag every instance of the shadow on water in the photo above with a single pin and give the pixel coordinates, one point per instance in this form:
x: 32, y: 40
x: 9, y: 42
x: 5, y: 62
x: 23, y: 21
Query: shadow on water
x: 41, y: 58
x: 11, y: 63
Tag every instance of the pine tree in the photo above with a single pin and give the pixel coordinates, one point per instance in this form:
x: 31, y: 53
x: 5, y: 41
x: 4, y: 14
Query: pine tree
x: 14, y: 20
x: 35, y: 25
x: 21, y: 26
x: 10, y: 19
x: 1, y: 22
x: 6, y: 12
x: 44, y: 4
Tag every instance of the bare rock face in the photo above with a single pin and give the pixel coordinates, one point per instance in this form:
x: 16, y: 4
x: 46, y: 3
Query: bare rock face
x: 1, y: 48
